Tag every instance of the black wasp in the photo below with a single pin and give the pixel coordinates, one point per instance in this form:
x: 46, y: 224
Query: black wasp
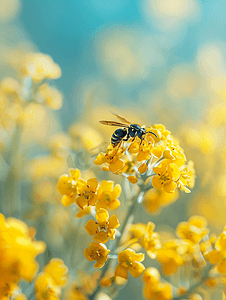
x: 127, y: 131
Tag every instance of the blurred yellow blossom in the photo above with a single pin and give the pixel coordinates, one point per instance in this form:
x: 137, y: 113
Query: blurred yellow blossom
x: 147, y: 238
x: 40, y: 66
x: 54, y: 276
x: 194, y: 230
x: 154, y: 199
x: 58, y: 271
x: 50, y: 96
x: 170, y: 256
x: 18, y: 251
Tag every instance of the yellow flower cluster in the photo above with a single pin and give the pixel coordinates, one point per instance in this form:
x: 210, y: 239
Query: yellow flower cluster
x: 87, y: 192
x: 103, y: 197
x: 215, y: 253
x: 159, y: 153
x: 48, y: 284
x: 146, y: 237
x: 18, y: 250
x: 157, y: 159
x: 15, y: 96
x: 202, y: 253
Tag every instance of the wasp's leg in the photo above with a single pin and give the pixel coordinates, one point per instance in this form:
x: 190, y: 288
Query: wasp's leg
x: 141, y: 139
x: 127, y: 137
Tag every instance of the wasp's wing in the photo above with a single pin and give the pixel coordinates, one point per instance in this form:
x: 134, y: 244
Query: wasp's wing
x: 113, y: 123
x: 121, y: 118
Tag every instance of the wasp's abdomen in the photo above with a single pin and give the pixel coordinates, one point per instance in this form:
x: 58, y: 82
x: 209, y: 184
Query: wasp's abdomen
x: 117, y: 136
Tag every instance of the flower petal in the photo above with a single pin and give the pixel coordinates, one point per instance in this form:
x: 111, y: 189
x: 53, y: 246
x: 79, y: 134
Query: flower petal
x: 92, y: 183
x: 113, y: 222
x: 68, y: 200
x: 170, y: 187
x: 114, y: 204
x: 102, y: 215
x: 121, y: 271
x: 136, y: 269
x: 91, y: 227
x: 156, y: 183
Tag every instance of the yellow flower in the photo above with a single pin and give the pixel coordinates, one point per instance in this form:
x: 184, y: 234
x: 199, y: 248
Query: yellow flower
x: 46, y: 288
x: 154, y: 199
x: 129, y: 261
x: 188, y: 174
x: 50, y: 96
x: 151, y: 275
x: 67, y: 186
x: 159, y: 291
x: 194, y: 230
x: 187, y: 177
x: 10, y: 87
x: 107, y: 195
x: 18, y: 250
x: 58, y: 271
x: 48, y: 284
x: 98, y: 252
x: 161, y: 131
x: 104, y: 228
x: 174, y: 151
x: 148, y: 239
x: 40, y: 66
x: 167, y: 175
x: 112, y: 158
x: 170, y: 256
x: 145, y: 151
x: 86, y: 192
x: 221, y: 243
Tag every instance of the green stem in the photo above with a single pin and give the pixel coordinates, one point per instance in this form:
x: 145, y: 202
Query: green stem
x: 129, y: 216
x: 13, y: 199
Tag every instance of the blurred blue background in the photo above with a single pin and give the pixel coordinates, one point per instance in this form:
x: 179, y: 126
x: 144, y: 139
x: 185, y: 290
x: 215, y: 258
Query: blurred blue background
x: 71, y: 32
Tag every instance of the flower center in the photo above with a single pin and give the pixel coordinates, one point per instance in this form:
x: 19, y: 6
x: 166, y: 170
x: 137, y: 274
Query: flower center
x: 164, y: 177
x: 128, y: 262
x: 103, y: 228
x: 107, y: 197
